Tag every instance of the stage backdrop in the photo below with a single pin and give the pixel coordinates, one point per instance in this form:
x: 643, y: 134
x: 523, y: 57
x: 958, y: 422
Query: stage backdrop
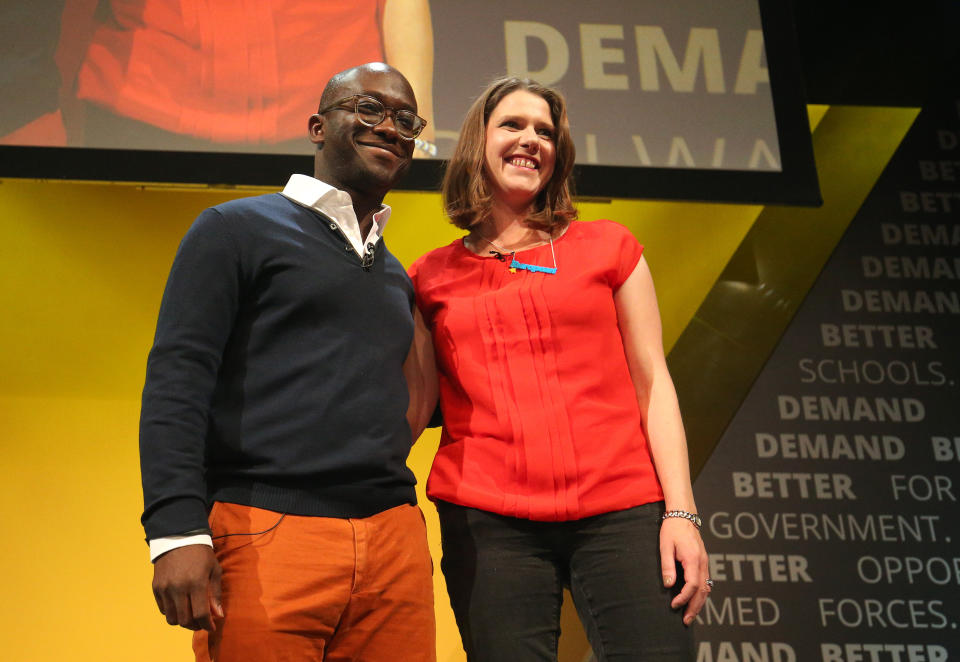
x: 831, y: 498
x: 82, y: 270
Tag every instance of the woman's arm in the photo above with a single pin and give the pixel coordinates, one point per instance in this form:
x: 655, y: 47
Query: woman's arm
x: 639, y: 319
x: 420, y: 369
x: 408, y: 47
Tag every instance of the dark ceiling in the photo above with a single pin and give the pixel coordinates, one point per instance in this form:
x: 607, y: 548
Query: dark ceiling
x: 877, y: 53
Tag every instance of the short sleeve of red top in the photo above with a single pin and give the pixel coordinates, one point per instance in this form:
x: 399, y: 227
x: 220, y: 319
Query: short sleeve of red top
x: 541, y: 419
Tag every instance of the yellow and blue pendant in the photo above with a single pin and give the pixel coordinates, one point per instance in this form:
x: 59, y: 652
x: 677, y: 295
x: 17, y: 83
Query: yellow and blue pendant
x: 523, y: 266
x: 532, y: 268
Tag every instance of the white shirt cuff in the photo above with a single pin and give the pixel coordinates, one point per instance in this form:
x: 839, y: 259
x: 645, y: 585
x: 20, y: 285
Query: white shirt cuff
x: 160, y: 546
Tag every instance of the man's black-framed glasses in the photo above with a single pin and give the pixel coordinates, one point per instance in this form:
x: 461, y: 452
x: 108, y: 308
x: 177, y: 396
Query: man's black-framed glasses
x: 371, y: 111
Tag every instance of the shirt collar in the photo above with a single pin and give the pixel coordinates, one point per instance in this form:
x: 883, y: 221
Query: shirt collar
x: 338, y: 207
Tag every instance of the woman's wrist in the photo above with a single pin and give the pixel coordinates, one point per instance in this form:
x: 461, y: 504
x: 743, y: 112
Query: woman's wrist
x: 691, y: 517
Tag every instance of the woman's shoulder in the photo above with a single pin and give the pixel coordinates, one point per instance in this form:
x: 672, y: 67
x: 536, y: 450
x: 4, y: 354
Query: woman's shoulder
x: 612, y: 245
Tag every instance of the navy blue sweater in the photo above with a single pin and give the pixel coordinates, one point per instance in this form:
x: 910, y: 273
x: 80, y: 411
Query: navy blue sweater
x: 275, y: 379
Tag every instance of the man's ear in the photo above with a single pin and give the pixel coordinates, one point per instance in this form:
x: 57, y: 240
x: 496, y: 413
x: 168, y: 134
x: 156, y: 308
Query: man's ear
x: 315, y: 127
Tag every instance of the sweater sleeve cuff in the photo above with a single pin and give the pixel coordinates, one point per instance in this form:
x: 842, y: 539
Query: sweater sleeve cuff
x: 176, y: 517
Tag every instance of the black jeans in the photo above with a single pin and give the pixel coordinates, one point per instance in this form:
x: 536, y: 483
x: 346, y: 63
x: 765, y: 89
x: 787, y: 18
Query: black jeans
x: 505, y: 577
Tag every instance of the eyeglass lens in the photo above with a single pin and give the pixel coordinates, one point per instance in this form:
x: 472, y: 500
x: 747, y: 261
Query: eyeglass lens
x: 371, y: 112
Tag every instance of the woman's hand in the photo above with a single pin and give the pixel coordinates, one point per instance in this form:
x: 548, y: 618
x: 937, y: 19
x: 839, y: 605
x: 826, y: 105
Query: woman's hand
x: 680, y: 542
x: 420, y: 370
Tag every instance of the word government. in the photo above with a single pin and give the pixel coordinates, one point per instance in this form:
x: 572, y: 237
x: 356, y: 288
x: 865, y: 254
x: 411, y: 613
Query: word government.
x: 747, y: 525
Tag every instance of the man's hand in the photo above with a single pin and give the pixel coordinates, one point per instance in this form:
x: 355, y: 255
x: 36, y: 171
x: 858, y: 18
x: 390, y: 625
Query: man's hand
x: 186, y: 584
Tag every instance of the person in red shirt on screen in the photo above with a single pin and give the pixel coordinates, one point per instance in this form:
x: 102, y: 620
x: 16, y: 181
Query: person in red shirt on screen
x: 193, y: 75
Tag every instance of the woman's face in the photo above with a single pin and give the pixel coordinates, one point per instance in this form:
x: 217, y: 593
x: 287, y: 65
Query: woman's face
x: 520, y: 151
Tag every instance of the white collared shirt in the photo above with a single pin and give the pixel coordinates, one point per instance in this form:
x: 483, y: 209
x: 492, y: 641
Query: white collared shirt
x: 338, y: 207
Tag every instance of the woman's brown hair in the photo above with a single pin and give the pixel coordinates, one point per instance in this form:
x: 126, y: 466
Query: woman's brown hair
x: 466, y: 195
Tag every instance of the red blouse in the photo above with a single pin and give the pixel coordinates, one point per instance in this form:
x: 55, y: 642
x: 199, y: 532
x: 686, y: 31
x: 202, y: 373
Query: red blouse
x: 541, y: 419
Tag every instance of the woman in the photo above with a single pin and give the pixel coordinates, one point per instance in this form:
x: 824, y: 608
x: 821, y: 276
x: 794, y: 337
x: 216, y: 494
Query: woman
x: 562, y: 460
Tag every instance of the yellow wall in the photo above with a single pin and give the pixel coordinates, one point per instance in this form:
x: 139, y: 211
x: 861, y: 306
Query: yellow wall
x: 82, y: 268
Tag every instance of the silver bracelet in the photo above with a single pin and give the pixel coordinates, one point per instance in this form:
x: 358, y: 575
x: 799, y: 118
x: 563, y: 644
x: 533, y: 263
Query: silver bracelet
x: 692, y: 517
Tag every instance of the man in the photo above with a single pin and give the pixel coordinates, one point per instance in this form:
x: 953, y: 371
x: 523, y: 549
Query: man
x: 275, y: 391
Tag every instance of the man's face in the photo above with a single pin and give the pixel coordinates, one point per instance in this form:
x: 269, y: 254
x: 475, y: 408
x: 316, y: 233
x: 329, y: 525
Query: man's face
x: 359, y: 158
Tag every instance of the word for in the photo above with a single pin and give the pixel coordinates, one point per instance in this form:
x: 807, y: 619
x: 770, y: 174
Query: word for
x: 921, y: 488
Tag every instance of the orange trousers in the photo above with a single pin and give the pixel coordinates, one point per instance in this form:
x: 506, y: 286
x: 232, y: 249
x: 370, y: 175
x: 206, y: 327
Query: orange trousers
x: 320, y: 588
